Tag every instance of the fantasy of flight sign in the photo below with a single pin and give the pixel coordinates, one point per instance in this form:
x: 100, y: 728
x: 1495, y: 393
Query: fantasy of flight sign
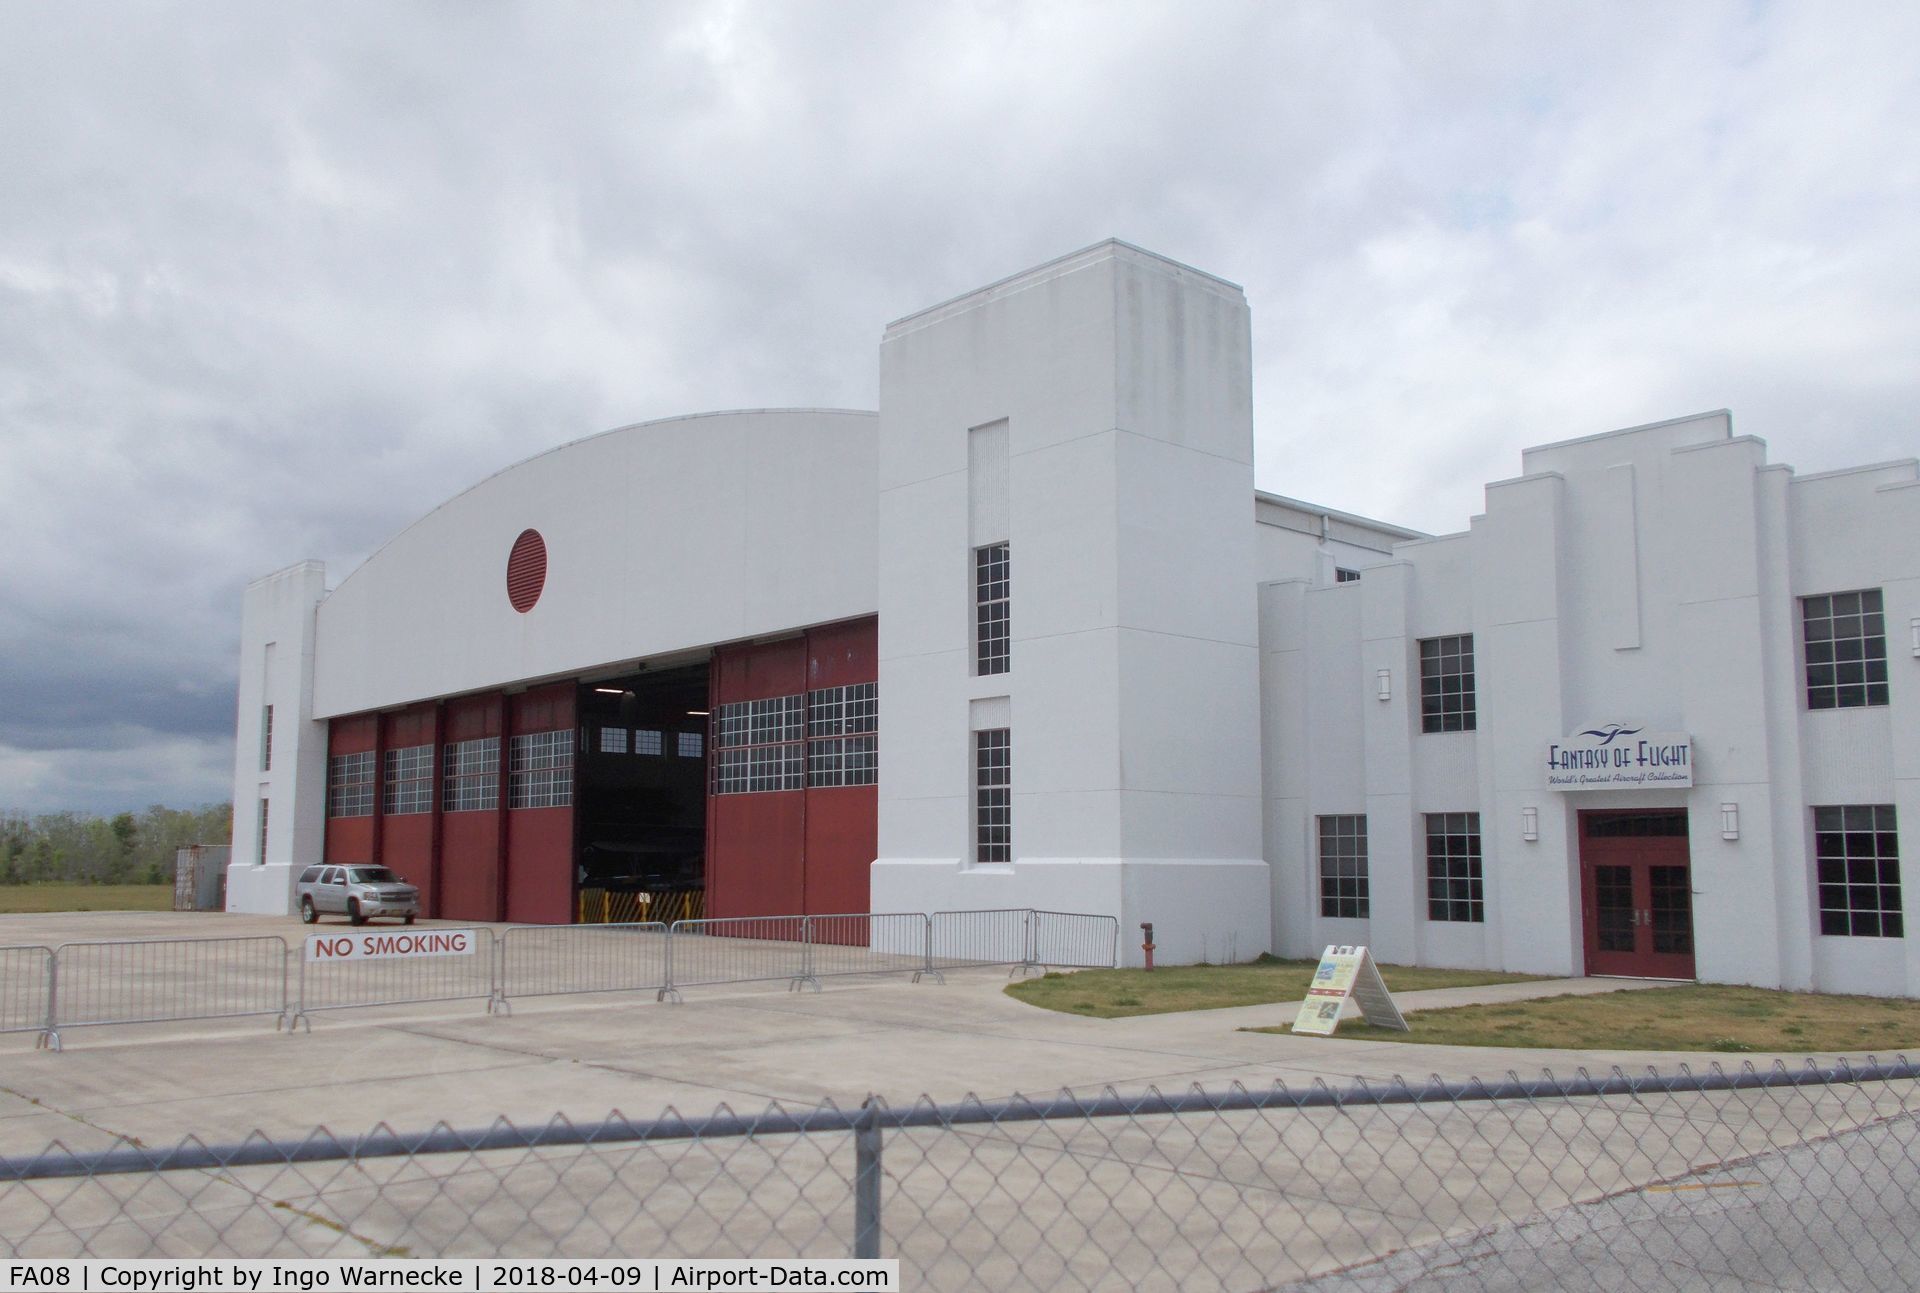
x: 1614, y: 756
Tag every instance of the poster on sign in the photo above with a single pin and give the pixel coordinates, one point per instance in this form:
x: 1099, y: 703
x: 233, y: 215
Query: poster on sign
x: 380, y: 945
x: 1347, y: 974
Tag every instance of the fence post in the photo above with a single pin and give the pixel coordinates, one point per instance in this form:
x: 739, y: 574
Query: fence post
x: 926, y: 946
x: 667, y: 991
x: 49, y: 1038
x: 866, y: 1181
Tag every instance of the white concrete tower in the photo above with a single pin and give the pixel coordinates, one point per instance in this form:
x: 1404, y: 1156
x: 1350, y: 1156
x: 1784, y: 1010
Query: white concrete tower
x: 1094, y: 416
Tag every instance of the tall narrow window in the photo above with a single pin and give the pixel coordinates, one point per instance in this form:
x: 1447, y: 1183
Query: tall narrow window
x: 1447, y: 684
x: 350, y: 779
x: 408, y: 784
x: 540, y: 770
x: 991, y: 628
x: 993, y: 796
x: 1454, y: 889
x: 1343, y: 867
x: 1856, y: 848
x: 266, y: 738
x: 263, y: 829
x: 1846, y: 642
x: 471, y: 776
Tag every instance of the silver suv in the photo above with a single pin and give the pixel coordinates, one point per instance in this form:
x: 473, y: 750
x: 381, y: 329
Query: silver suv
x: 355, y: 892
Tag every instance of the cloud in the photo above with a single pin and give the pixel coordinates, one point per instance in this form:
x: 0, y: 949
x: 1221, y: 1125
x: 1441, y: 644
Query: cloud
x: 275, y: 281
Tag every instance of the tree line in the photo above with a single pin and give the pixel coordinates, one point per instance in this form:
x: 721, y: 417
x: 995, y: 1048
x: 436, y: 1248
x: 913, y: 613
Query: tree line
x: 126, y: 848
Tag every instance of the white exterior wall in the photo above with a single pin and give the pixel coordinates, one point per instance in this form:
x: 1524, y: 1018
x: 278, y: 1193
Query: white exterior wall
x: 1124, y: 383
x: 276, y: 668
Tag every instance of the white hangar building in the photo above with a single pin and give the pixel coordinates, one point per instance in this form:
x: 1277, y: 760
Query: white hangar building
x: 1028, y: 636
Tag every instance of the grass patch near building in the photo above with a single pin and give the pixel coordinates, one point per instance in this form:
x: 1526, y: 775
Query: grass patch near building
x: 19, y: 898
x: 1117, y: 994
x: 1695, y: 1017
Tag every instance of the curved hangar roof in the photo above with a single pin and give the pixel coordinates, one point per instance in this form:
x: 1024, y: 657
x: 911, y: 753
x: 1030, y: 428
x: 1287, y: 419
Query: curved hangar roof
x: 656, y: 537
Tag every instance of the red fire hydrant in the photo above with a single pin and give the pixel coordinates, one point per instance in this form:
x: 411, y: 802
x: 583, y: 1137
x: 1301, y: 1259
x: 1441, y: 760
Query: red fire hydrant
x: 1146, y: 927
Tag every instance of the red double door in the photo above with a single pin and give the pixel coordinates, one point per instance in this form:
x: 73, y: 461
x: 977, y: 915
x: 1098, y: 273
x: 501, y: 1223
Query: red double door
x: 1637, y: 893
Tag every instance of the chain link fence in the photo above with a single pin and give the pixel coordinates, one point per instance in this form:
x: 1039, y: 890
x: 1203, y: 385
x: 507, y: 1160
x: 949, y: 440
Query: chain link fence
x: 1779, y: 1178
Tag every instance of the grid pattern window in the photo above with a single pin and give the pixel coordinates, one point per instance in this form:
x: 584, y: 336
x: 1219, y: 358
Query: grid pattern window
x: 1846, y: 637
x: 1343, y: 867
x: 472, y: 776
x: 842, y: 749
x: 1856, y: 851
x: 646, y: 740
x: 1453, y: 868
x: 1341, y: 575
x: 760, y: 745
x: 613, y: 740
x: 263, y: 830
x: 992, y: 635
x: 540, y: 770
x: 350, y: 785
x: 266, y: 738
x: 993, y: 796
x: 689, y: 745
x: 408, y: 787
x: 1446, y: 684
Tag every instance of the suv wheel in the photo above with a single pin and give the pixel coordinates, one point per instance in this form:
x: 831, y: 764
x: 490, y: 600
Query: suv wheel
x: 353, y: 912
x: 307, y: 914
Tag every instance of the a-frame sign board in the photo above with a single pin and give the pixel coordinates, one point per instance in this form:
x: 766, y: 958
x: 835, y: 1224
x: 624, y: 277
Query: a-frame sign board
x: 1347, y: 972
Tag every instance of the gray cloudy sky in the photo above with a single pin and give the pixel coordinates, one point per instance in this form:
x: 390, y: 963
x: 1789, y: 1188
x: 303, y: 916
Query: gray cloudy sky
x: 276, y: 279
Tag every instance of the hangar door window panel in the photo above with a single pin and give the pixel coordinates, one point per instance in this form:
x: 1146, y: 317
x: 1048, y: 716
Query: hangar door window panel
x: 992, y: 591
x: 689, y: 745
x: 350, y: 785
x: 1856, y: 851
x: 1454, y: 884
x: 1447, y: 684
x: 408, y: 787
x: 1846, y: 646
x: 472, y: 782
x: 842, y: 745
x: 1343, y: 867
x: 613, y: 740
x: 993, y: 796
x: 760, y: 745
x: 540, y: 770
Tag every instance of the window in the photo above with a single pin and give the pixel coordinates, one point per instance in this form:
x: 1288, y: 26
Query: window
x: 760, y: 745
x: 472, y: 776
x: 689, y: 745
x: 311, y: 875
x: 1446, y: 684
x: 613, y: 740
x: 350, y: 785
x: 540, y: 770
x: 409, y: 781
x: 1343, y: 867
x: 266, y: 738
x: 841, y: 745
x: 1856, y: 850
x: 1846, y: 636
x: 1453, y: 867
x: 1341, y: 575
x: 263, y: 829
x: 991, y: 626
x: 646, y: 740
x: 992, y: 796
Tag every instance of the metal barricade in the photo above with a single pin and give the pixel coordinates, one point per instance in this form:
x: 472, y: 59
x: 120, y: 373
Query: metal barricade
x: 1002, y: 936
x: 399, y: 967
x: 869, y: 943
x: 737, y: 949
x: 557, y: 960
x: 165, y: 980
x: 1075, y: 940
x: 26, y: 989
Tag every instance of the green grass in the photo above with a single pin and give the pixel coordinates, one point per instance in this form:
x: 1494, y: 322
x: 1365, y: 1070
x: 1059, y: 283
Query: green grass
x: 18, y: 898
x: 1116, y: 994
x: 1697, y: 1017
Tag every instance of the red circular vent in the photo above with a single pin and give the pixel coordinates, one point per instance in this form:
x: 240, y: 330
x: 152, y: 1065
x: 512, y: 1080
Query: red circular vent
x: 526, y: 570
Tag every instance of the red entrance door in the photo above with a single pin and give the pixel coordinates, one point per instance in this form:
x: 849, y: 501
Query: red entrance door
x: 1637, y: 893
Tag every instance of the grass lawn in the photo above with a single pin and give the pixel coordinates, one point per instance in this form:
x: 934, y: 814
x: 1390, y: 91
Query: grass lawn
x: 1116, y: 994
x: 16, y: 898
x: 1696, y: 1017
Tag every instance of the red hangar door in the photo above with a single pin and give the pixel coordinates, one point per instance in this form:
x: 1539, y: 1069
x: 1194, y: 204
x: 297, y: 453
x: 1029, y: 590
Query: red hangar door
x: 1636, y: 893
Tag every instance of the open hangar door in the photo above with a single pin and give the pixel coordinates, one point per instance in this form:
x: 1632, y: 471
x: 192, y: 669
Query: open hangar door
x: 640, y: 805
